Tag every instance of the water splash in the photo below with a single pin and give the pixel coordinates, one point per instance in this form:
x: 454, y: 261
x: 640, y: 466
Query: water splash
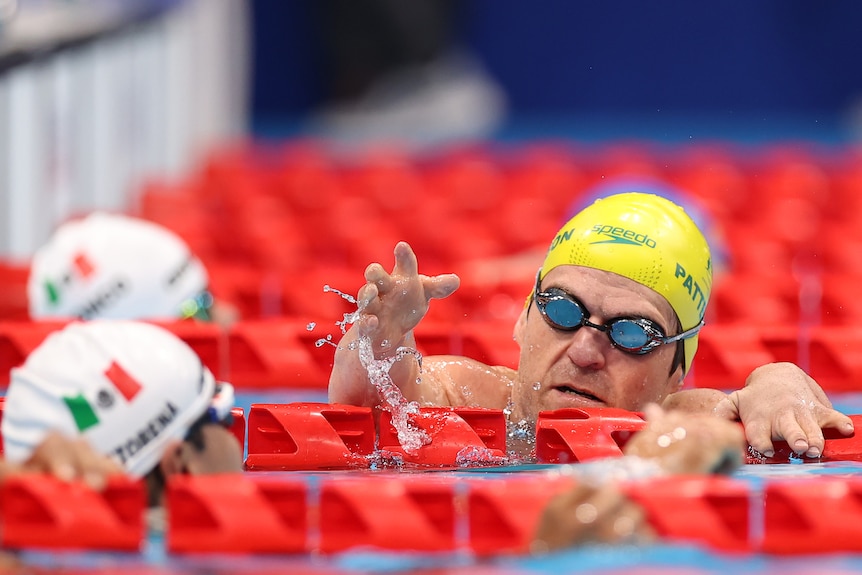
x: 349, y: 319
x: 346, y: 296
x: 521, y: 440
x: 510, y: 405
x: 384, y: 459
x: 473, y: 456
x: 755, y: 456
x: 410, y: 437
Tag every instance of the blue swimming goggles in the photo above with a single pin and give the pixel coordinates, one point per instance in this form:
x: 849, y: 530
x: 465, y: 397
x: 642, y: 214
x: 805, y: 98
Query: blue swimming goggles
x: 634, y: 335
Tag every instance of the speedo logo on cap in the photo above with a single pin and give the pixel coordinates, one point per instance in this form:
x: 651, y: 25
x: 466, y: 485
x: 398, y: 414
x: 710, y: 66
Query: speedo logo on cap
x: 619, y: 235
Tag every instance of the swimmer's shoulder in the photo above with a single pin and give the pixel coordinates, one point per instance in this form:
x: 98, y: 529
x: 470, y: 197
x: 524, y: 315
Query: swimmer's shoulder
x: 470, y: 382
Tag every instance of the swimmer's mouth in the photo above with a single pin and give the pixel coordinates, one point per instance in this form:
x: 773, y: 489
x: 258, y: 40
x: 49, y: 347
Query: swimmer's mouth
x: 579, y: 392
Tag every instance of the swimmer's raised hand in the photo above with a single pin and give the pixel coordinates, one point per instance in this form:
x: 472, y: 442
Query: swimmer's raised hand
x: 392, y: 304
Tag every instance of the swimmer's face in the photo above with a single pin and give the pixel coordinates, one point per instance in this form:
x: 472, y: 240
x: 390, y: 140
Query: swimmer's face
x: 220, y: 454
x: 581, y: 368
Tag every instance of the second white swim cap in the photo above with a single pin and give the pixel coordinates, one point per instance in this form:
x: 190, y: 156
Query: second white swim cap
x: 114, y: 267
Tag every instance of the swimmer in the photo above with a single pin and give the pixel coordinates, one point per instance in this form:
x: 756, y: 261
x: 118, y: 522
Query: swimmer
x: 612, y: 321
x: 134, y: 392
x: 596, y: 510
x: 111, y: 266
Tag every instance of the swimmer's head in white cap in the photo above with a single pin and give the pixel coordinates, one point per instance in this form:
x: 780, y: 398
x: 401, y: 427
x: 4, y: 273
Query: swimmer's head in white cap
x: 128, y: 388
x: 113, y: 267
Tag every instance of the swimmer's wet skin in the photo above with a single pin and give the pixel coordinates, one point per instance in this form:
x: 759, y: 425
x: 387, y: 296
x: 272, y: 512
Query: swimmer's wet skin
x: 637, y: 271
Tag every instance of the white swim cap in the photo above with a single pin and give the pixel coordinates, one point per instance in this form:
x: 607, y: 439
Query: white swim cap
x: 126, y: 387
x: 113, y: 267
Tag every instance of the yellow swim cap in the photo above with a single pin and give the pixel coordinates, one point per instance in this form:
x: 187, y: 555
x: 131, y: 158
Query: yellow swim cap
x: 645, y: 238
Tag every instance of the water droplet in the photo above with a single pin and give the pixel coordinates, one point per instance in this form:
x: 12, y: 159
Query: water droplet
x: 311, y: 326
x: 346, y: 296
x: 537, y: 386
x: 384, y: 343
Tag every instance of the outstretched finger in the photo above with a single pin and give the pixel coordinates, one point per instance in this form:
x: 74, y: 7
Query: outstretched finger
x: 405, y: 260
x: 367, y: 300
x: 833, y: 419
x: 375, y: 274
x: 793, y: 433
x: 441, y: 286
x: 814, y: 438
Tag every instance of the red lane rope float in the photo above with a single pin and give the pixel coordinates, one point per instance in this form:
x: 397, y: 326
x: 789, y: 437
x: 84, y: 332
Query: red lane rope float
x: 452, y: 432
x: 575, y: 435
x: 316, y: 436
x: 242, y: 513
x: 391, y: 513
x: 41, y: 511
x: 813, y: 515
x: 2, y: 410
x: 276, y: 354
x: 503, y: 515
x: 236, y: 513
x: 713, y: 510
x: 309, y: 436
x: 18, y: 339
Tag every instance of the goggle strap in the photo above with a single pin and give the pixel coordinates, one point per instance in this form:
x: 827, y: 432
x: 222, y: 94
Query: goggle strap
x: 686, y: 334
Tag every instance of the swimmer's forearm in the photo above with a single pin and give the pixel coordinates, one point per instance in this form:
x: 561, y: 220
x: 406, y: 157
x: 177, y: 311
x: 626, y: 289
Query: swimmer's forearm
x: 349, y: 382
x: 712, y: 401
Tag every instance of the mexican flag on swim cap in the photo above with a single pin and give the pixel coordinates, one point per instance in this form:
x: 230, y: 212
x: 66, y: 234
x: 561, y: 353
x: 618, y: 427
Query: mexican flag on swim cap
x: 647, y: 239
x: 128, y: 388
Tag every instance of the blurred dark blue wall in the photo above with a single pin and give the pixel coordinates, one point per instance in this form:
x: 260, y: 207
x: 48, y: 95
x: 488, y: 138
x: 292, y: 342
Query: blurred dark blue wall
x: 564, y: 56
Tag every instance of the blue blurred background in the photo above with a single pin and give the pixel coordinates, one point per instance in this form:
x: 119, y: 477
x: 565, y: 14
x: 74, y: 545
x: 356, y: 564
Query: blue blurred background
x: 663, y: 69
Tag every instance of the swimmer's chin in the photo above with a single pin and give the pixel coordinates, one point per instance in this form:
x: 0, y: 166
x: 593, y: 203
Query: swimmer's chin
x: 567, y: 396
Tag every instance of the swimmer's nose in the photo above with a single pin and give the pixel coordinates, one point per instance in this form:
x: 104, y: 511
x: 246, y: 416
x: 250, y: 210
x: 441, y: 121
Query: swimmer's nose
x: 587, y: 348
